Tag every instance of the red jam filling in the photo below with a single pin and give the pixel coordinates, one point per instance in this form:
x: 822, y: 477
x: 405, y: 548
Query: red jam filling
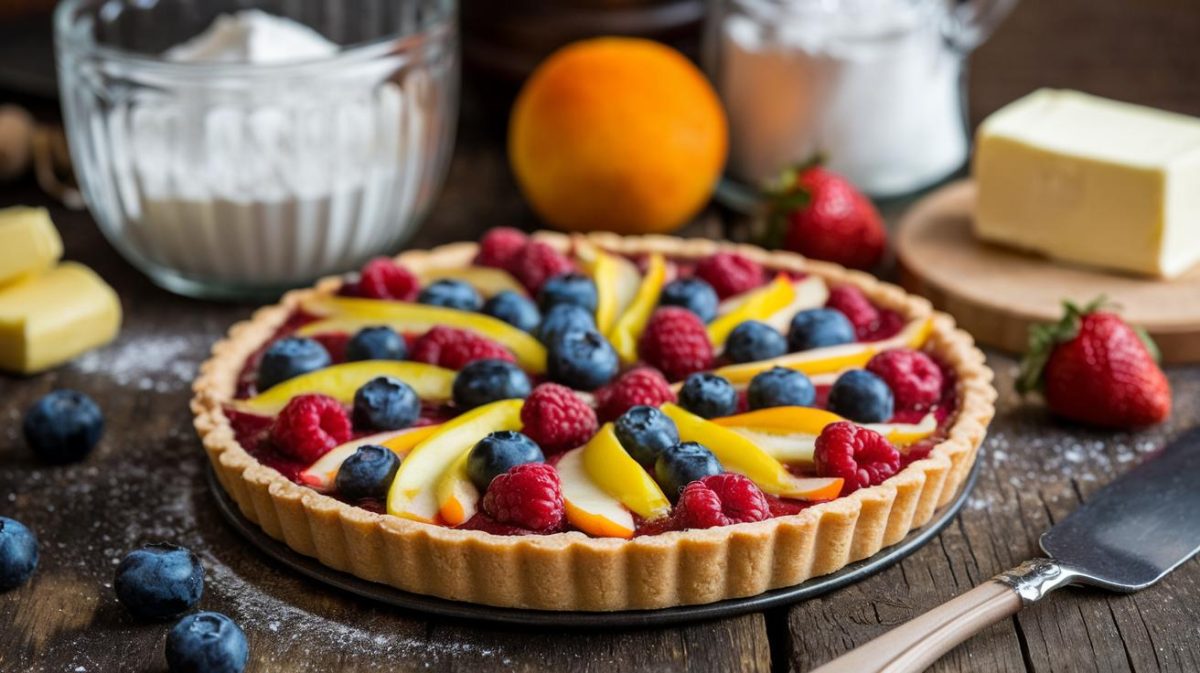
x: 252, y: 431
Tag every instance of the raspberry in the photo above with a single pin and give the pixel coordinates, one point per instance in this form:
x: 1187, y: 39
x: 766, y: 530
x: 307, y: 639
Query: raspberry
x: 642, y: 385
x: 499, y: 245
x: 455, y: 348
x: 382, y: 278
x: 557, y: 419
x: 676, y: 342
x: 529, y: 496
x: 730, y: 273
x: 309, y: 427
x: 720, y: 500
x: 852, y: 303
x: 860, y: 456
x: 536, y: 263
x: 915, y: 379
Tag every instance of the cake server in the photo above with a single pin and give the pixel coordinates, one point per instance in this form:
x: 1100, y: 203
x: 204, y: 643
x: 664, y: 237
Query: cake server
x: 1125, y: 538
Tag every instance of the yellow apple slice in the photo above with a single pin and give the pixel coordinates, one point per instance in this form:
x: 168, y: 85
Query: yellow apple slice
x: 756, y: 305
x: 831, y: 358
x: 413, y: 494
x: 342, y: 381
x: 489, y: 281
x: 738, y: 454
x: 321, y: 474
x: 619, y: 475
x: 617, y: 281
x: 589, y: 508
x: 457, y: 496
x: 808, y: 292
x: 346, y: 314
x: 786, y: 447
x: 903, y: 434
x: 808, y: 420
x: 632, y: 323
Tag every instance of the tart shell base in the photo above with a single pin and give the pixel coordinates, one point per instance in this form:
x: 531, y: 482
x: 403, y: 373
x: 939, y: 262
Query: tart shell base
x: 571, y: 571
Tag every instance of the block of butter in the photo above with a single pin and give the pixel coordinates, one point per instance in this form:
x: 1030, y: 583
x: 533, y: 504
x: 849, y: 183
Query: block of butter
x: 51, y: 317
x: 28, y: 242
x: 1091, y: 181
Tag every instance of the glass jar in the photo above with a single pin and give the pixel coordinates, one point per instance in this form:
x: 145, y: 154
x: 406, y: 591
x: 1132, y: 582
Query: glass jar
x: 239, y: 180
x: 872, y: 86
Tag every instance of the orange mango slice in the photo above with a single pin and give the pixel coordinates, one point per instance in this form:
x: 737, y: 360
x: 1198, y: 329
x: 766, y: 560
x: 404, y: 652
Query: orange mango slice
x: 457, y: 496
x: 620, y: 476
x: 490, y: 282
x: 831, y: 358
x: 588, y: 507
x: 617, y: 281
x: 342, y: 381
x: 757, y: 304
x: 321, y: 474
x: 347, y: 314
x: 413, y: 494
x: 632, y: 323
x: 739, y: 454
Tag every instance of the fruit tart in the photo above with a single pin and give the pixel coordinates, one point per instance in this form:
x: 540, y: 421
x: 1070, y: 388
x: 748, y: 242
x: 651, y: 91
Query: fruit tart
x: 593, y: 422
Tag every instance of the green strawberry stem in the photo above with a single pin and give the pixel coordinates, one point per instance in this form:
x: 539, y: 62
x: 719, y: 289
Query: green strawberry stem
x: 783, y: 196
x: 1043, y: 339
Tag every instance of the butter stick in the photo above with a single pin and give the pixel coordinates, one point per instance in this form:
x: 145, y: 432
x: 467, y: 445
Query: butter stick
x: 1091, y: 181
x: 52, y: 317
x: 29, y: 243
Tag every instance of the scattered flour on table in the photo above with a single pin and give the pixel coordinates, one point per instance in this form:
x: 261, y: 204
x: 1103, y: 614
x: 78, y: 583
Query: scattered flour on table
x: 306, y: 632
x: 158, y: 362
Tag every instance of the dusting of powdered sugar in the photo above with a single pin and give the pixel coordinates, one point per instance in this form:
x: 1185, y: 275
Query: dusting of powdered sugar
x: 147, y: 361
x: 1027, y: 451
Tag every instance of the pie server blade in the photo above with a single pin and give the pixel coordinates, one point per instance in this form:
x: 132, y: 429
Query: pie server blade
x: 1126, y: 537
x: 1138, y: 528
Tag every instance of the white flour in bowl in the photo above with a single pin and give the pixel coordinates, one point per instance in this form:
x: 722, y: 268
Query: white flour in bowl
x: 275, y: 184
x: 870, y: 84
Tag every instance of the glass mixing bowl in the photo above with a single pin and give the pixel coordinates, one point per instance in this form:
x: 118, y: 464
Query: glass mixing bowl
x: 240, y: 180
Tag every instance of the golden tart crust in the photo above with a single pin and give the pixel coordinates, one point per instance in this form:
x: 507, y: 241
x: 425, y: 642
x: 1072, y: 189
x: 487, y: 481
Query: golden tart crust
x: 571, y: 571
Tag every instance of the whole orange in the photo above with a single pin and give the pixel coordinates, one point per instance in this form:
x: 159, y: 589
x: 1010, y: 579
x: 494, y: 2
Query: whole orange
x: 617, y: 134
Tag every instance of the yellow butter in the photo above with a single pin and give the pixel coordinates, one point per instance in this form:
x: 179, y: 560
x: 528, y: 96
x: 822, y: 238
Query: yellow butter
x: 52, y: 317
x: 29, y: 243
x: 1092, y: 181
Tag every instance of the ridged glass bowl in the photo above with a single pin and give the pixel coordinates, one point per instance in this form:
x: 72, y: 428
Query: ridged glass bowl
x: 235, y: 180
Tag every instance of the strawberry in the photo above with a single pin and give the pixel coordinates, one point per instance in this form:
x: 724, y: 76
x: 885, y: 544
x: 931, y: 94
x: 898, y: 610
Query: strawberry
x: 1094, y: 368
x: 821, y: 215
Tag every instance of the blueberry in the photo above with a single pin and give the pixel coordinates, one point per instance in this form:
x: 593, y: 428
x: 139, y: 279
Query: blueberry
x: 568, y: 288
x: 485, y: 381
x: 682, y: 464
x: 819, y: 327
x: 708, y: 395
x: 207, y: 642
x: 693, y: 294
x: 513, y: 309
x: 581, y: 359
x: 646, y: 432
x: 376, y: 343
x: 753, y: 340
x: 861, y: 396
x: 63, y: 427
x: 18, y: 553
x: 367, y: 473
x: 289, y: 358
x: 449, y: 293
x: 385, y: 403
x: 159, y: 581
x: 780, y: 387
x: 562, y: 319
x: 497, y: 453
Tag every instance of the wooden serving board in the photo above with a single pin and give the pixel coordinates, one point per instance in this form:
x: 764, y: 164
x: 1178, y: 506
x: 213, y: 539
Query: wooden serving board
x: 996, y: 293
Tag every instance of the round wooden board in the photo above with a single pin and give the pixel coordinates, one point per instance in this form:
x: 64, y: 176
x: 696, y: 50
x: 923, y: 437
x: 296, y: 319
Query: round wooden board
x: 996, y: 293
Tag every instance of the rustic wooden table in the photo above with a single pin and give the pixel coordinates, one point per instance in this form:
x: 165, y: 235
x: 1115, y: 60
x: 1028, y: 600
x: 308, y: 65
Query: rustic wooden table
x: 146, y: 481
